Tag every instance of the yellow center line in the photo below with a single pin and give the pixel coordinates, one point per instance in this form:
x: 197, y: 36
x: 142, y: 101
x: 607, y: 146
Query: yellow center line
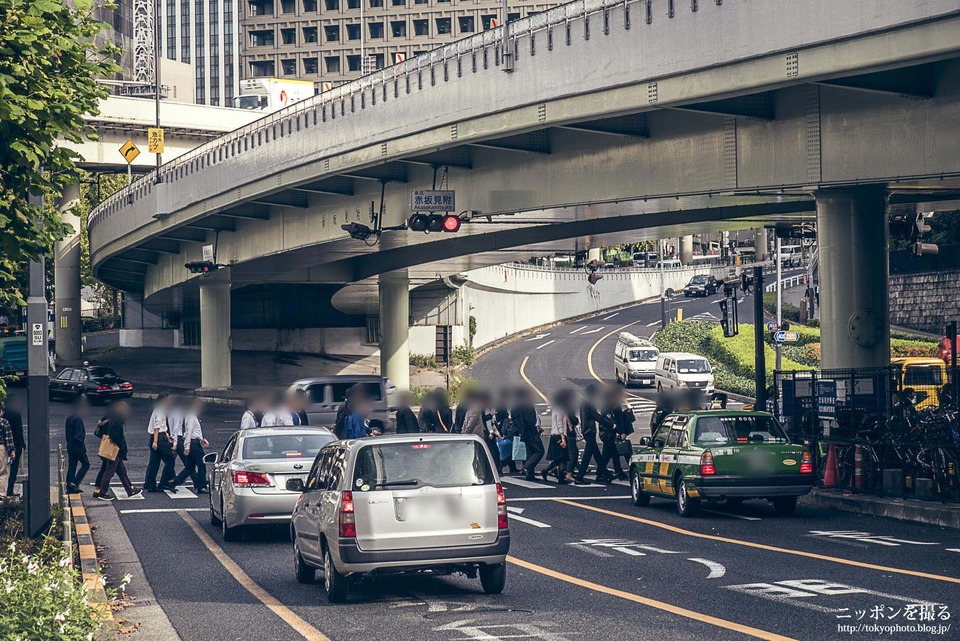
x: 302, y: 628
x: 659, y: 605
x: 593, y: 373
x: 523, y: 375
x: 762, y: 546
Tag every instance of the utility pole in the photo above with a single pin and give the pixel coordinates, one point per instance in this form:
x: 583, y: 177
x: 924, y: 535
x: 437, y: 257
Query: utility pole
x: 36, y: 513
x: 779, y: 294
x: 663, y: 291
x: 507, y: 51
x: 760, y: 359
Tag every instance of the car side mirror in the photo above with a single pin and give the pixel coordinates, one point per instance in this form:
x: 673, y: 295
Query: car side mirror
x: 645, y: 441
x: 211, y: 458
x: 294, y: 485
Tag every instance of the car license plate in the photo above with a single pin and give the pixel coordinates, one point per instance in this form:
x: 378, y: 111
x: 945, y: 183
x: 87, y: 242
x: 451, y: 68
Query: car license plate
x: 114, y: 387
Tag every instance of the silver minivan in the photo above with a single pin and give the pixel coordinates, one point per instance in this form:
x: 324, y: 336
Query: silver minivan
x: 401, y: 504
x: 325, y: 394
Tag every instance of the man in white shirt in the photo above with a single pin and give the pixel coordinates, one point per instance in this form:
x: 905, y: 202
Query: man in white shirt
x: 278, y: 416
x: 193, y: 444
x: 161, y: 446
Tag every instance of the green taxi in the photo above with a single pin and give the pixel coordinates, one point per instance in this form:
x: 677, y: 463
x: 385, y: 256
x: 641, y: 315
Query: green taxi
x: 720, y: 455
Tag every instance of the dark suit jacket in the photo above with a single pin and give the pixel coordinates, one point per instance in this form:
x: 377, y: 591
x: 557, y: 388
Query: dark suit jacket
x: 525, y: 420
x: 407, y: 422
x: 76, y: 435
x: 16, y: 425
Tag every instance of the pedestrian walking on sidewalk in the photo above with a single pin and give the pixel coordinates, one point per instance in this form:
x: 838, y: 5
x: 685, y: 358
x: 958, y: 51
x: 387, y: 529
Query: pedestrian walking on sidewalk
x: 7, y: 450
x: 527, y: 423
x: 590, y: 419
x: 193, y: 444
x: 113, y: 448
x: 76, y: 434
x: 12, y: 414
x: 161, y: 446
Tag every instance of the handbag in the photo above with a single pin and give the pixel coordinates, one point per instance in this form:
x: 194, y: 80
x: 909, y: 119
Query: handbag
x: 624, y: 448
x: 108, y: 449
x: 505, y: 447
x: 519, y: 450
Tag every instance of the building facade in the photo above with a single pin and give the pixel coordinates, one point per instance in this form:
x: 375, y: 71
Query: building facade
x: 204, y: 34
x: 321, y: 40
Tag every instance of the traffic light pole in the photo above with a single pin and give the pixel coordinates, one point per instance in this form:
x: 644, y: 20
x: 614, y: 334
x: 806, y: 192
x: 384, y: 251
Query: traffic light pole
x: 663, y: 291
x: 760, y: 361
x: 36, y: 513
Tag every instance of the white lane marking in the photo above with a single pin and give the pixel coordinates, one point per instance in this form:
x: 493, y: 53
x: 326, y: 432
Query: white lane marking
x: 594, y: 551
x: 524, y: 519
x: 953, y: 549
x: 867, y: 537
x: 526, y: 483
x: 173, y: 510
x: 515, y: 510
x: 623, y: 483
x: 182, y: 493
x: 592, y: 331
x: 538, y: 337
x: 568, y: 498
x: 732, y: 515
x: 628, y: 551
x: 125, y: 497
x: 475, y: 631
x: 579, y: 329
x: 652, y: 548
x: 653, y: 323
x: 740, y: 300
x: 717, y: 570
x: 610, y: 316
x: 547, y: 343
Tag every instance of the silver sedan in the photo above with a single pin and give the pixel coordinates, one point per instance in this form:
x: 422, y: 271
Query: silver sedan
x: 248, y: 479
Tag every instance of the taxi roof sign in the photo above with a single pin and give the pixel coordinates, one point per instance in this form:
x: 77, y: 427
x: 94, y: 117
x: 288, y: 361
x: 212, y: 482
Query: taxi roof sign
x: 129, y: 151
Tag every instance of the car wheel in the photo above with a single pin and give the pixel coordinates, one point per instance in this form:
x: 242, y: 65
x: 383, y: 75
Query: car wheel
x: 636, y: 491
x: 334, y: 583
x: 686, y: 506
x: 493, y: 578
x: 785, y: 505
x: 230, y: 534
x: 305, y: 573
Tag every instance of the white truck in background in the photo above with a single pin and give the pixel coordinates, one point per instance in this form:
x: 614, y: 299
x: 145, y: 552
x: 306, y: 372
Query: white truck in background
x: 272, y: 94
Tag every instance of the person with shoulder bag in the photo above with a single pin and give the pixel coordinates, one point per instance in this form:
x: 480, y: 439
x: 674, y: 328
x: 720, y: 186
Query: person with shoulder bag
x: 113, y: 449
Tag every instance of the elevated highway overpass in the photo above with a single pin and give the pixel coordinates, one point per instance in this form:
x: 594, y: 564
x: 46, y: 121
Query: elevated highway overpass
x: 627, y: 120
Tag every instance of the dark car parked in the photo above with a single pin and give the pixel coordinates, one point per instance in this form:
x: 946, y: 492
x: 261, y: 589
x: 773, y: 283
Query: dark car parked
x: 99, y: 384
x: 701, y: 285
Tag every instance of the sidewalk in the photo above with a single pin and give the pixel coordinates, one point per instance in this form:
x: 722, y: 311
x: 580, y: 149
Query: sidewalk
x: 929, y: 512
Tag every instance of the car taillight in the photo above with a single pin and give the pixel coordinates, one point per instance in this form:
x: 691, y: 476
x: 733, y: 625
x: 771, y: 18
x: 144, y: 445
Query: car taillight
x: 242, y: 478
x: 126, y: 386
x: 348, y: 525
x: 806, y: 463
x: 103, y: 388
x: 501, y: 508
x: 706, y: 464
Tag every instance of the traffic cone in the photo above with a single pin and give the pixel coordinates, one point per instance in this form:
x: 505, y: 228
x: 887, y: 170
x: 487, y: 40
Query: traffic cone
x: 858, y: 468
x: 831, y: 473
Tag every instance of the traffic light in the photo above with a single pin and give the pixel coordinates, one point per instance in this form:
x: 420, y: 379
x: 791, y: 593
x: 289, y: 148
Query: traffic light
x: 728, y: 317
x: 202, y: 267
x: 427, y: 223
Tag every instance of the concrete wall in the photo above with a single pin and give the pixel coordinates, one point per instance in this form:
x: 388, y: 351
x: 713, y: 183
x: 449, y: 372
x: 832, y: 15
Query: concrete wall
x: 333, y: 341
x: 507, y: 299
x: 926, y: 301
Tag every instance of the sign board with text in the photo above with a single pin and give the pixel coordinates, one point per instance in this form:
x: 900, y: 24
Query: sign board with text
x: 36, y: 335
x: 155, y: 140
x: 433, y: 200
x: 826, y: 395
x: 786, y: 337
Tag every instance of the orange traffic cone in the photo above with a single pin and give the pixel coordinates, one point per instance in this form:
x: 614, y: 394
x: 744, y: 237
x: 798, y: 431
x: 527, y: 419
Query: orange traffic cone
x: 831, y: 473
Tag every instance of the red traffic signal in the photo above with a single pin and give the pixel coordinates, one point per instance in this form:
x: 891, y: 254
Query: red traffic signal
x: 427, y: 223
x: 202, y: 267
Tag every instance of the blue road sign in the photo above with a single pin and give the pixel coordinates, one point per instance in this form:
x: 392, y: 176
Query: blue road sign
x: 786, y: 337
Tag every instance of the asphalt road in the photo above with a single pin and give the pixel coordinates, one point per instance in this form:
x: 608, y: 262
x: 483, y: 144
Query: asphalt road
x: 585, y: 563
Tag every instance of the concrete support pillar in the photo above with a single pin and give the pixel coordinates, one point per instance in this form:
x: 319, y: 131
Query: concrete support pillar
x: 395, y: 328
x: 66, y: 278
x: 215, y: 344
x: 686, y: 250
x: 853, y: 240
x: 760, y: 244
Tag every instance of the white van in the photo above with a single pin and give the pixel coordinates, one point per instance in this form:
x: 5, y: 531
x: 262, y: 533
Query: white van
x: 672, y: 263
x: 685, y: 371
x: 634, y: 360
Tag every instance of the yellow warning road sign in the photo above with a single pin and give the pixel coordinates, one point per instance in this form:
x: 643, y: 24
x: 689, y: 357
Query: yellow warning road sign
x: 129, y: 151
x: 155, y: 140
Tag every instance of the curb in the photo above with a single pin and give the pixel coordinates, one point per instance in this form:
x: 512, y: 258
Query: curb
x: 914, y: 510
x: 213, y: 400
x: 89, y: 564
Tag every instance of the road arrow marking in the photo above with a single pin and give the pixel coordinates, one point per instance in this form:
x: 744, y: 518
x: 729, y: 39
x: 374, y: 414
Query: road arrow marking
x: 547, y: 343
x: 538, y: 337
x: 716, y: 569
x: 579, y: 329
x: 653, y: 323
x: 515, y: 510
x: 592, y: 331
x: 610, y: 316
x: 524, y: 519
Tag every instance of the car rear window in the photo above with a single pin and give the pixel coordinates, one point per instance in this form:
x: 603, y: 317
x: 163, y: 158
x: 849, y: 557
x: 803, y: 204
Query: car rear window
x: 420, y: 463
x: 730, y: 430
x: 285, y: 446
x: 340, y: 390
x: 101, y: 373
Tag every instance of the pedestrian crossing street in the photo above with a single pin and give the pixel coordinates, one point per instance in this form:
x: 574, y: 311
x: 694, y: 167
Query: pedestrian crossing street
x: 183, y: 492
x: 539, y: 485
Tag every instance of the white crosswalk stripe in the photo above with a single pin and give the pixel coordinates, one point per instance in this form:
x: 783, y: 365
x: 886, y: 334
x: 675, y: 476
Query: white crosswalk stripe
x: 704, y: 316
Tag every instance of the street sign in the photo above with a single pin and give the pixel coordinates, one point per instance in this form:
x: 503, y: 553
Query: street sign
x: 772, y: 326
x: 207, y: 253
x: 433, y: 200
x: 786, y: 337
x: 129, y: 151
x: 36, y: 336
x: 826, y: 394
x: 155, y: 140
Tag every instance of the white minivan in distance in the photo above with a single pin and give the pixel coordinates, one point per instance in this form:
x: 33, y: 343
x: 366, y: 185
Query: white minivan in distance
x: 681, y: 370
x: 634, y: 360
x: 400, y: 504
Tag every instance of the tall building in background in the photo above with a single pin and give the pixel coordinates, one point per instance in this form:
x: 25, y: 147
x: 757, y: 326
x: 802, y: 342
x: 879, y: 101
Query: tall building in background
x: 320, y: 40
x: 204, y: 34
x: 119, y: 20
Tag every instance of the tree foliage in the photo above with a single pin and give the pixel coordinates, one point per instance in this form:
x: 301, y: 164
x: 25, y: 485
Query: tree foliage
x: 49, y: 66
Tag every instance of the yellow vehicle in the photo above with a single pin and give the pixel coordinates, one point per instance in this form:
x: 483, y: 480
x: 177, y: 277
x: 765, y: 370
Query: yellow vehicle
x: 925, y: 375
